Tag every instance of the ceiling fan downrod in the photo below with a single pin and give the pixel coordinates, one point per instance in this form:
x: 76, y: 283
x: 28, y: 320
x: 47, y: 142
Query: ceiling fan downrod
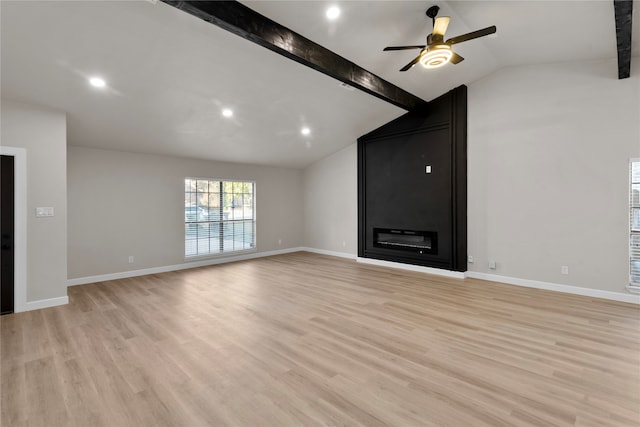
x: 432, y: 12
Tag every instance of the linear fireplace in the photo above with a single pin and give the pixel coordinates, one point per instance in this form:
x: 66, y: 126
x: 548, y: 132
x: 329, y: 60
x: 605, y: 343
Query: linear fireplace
x: 423, y: 242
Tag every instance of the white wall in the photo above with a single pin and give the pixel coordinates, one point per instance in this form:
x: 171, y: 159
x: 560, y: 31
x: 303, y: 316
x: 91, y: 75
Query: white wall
x: 331, y: 203
x: 548, y: 152
x: 43, y: 134
x: 549, y: 148
x: 123, y: 204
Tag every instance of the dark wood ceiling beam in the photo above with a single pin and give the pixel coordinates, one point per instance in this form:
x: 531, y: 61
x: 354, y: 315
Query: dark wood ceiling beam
x: 249, y: 24
x: 623, y: 12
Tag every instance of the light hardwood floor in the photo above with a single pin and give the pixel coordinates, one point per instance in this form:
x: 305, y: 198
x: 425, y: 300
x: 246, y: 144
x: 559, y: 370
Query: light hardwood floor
x: 305, y: 340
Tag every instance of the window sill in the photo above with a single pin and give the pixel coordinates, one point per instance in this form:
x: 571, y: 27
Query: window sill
x: 633, y: 288
x: 220, y: 255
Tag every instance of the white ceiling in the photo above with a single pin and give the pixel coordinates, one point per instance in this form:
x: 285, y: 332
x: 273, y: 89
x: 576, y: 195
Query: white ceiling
x: 169, y: 74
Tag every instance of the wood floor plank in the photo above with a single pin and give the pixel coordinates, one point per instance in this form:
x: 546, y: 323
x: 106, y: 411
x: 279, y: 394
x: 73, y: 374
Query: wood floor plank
x: 313, y: 340
x: 43, y: 385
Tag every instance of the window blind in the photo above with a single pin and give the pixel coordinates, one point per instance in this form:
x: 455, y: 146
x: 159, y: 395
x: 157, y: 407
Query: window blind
x: 219, y: 216
x: 634, y: 225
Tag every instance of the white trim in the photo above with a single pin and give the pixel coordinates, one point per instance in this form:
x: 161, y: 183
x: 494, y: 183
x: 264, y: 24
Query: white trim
x: 596, y: 293
x: 633, y: 288
x: 411, y: 267
x: 576, y: 290
x: 223, y: 255
x: 20, y: 224
x: 175, y: 267
x: 330, y: 253
x: 46, y: 303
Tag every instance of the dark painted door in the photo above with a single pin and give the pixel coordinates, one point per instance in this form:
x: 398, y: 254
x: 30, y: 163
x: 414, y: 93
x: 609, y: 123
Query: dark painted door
x: 6, y: 234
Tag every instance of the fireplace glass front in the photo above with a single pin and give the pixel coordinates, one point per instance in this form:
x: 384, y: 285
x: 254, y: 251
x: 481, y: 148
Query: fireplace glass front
x: 423, y: 242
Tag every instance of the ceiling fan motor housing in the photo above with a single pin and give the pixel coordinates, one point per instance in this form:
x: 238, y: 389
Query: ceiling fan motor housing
x: 434, y: 39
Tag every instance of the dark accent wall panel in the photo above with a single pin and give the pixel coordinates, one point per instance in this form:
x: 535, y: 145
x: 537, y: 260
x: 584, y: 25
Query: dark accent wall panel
x: 395, y: 192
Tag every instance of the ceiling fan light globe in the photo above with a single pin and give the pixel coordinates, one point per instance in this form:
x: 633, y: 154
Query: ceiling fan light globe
x: 436, y: 56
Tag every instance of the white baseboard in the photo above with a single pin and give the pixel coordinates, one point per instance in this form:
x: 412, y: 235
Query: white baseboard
x: 330, y: 253
x: 176, y: 267
x: 576, y: 290
x: 596, y: 293
x: 42, y: 303
x: 411, y: 267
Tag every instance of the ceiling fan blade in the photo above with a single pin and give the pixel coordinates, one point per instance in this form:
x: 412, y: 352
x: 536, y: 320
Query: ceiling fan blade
x: 472, y: 35
x: 440, y: 25
x: 455, y: 58
x: 404, y: 47
x: 411, y: 64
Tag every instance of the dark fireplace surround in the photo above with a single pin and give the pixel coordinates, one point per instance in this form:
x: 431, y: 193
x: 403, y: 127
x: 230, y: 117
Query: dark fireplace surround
x: 412, y: 187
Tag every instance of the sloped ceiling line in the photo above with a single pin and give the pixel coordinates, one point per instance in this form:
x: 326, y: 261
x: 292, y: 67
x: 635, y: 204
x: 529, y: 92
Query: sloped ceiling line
x: 249, y: 24
x: 623, y: 14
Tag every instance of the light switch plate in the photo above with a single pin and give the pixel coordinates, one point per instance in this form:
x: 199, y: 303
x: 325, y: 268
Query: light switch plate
x: 44, y: 212
x: 427, y: 169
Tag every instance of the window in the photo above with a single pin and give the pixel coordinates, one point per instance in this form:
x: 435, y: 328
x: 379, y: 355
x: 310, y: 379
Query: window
x: 634, y: 220
x: 219, y: 216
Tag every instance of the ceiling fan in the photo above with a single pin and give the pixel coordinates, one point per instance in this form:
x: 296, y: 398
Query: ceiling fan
x: 437, y: 52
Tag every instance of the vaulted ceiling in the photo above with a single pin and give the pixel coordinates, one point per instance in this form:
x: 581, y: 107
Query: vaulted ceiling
x: 169, y: 74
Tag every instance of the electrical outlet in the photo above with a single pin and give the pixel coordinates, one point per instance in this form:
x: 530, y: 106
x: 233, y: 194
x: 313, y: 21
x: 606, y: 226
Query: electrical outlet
x: 130, y: 259
x: 564, y: 269
x: 470, y: 259
x: 344, y: 244
x: 279, y: 241
x: 492, y: 265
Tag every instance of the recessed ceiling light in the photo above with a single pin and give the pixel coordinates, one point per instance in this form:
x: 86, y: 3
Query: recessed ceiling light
x: 97, y: 82
x: 227, y: 112
x: 305, y: 131
x: 333, y: 12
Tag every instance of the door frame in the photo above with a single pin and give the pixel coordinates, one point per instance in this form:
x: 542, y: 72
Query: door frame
x: 20, y: 223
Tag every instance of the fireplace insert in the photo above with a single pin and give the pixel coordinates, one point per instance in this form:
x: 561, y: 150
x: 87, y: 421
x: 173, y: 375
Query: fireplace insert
x: 422, y: 242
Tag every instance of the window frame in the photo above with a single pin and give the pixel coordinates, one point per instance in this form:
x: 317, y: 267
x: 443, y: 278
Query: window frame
x: 221, y: 222
x: 634, y: 234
